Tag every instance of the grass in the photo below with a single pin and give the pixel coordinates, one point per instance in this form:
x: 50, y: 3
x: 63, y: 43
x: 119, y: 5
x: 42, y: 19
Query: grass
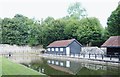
x: 0, y: 66
x: 10, y: 68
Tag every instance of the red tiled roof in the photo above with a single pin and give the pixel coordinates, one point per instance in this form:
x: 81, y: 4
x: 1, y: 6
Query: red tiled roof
x: 113, y: 41
x: 61, y: 43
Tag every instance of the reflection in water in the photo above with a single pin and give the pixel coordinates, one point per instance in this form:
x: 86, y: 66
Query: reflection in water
x: 65, y: 67
x: 25, y: 59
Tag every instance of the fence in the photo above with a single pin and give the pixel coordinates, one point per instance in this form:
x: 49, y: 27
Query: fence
x: 99, y: 57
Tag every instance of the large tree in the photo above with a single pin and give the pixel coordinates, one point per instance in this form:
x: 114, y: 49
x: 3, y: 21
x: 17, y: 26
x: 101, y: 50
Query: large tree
x: 76, y: 11
x: 71, y: 26
x: 0, y: 30
x: 114, y: 22
x: 20, y: 30
x: 52, y: 30
x: 90, y: 32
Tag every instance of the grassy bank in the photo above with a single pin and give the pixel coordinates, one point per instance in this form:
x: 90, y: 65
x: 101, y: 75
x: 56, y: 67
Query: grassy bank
x: 10, y: 68
x: 0, y: 66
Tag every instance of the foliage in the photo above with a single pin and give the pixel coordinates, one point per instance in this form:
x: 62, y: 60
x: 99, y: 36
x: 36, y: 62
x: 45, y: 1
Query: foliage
x: 52, y: 31
x: 71, y: 28
x: 76, y: 11
x: 0, y: 30
x: 114, y: 22
x: 19, y: 30
x: 90, y: 31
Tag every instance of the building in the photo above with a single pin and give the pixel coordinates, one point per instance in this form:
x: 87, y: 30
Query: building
x: 71, y: 67
x: 64, y: 47
x: 113, y: 45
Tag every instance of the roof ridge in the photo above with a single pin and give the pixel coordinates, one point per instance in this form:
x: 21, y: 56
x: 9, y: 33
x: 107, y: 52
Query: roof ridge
x: 64, y: 40
x: 112, y: 41
x: 115, y: 36
x: 60, y: 43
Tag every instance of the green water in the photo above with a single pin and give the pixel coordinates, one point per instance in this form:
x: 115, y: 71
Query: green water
x: 65, y: 67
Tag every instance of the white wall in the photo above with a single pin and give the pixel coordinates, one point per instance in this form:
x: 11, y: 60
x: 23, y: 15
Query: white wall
x: 4, y: 48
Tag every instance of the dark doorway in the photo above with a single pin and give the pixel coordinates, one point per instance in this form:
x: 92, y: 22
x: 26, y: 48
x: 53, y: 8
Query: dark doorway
x: 113, y: 51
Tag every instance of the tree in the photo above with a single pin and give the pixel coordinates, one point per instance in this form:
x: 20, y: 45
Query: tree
x: 113, y: 22
x: 48, y: 20
x: 53, y: 31
x: 71, y: 27
x: 20, y: 30
x: 7, y: 34
x: 0, y: 30
x: 34, y: 36
x: 76, y: 11
x: 90, y: 32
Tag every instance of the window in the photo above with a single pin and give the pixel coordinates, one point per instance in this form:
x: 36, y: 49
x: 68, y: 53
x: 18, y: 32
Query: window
x: 48, y: 61
x: 61, y: 49
x: 57, y: 63
x: 56, y: 49
x: 52, y: 62
x: 61, y: 63
x: 48, y: 49
x: 42, y: 70
x: 67, y: 63
x: 52, y: 49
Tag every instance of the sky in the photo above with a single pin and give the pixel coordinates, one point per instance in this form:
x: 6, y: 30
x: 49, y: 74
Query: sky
x: 38, y: 9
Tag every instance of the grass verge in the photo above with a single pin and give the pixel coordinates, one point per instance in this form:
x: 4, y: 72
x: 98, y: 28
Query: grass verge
x: 10, y: 68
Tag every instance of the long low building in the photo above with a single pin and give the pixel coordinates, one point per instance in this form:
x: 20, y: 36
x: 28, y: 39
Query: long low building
x: 66, y: 47
x: 113, y: 45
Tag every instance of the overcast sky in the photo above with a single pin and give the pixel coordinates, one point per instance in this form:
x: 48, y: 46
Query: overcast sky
x: 56, y: 8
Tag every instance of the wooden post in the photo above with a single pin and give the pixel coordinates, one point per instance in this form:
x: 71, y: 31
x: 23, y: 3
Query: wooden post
x: 9, y: 54
x: 95, y: 56
x: 84, y: 55
x: 78, y: 55
x: 102, y: 57
x: 110, y: 57
x: 119, y: 57
x: 89, y: 55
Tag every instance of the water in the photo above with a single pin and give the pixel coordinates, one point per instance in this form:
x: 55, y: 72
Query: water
x: 65, y: 67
